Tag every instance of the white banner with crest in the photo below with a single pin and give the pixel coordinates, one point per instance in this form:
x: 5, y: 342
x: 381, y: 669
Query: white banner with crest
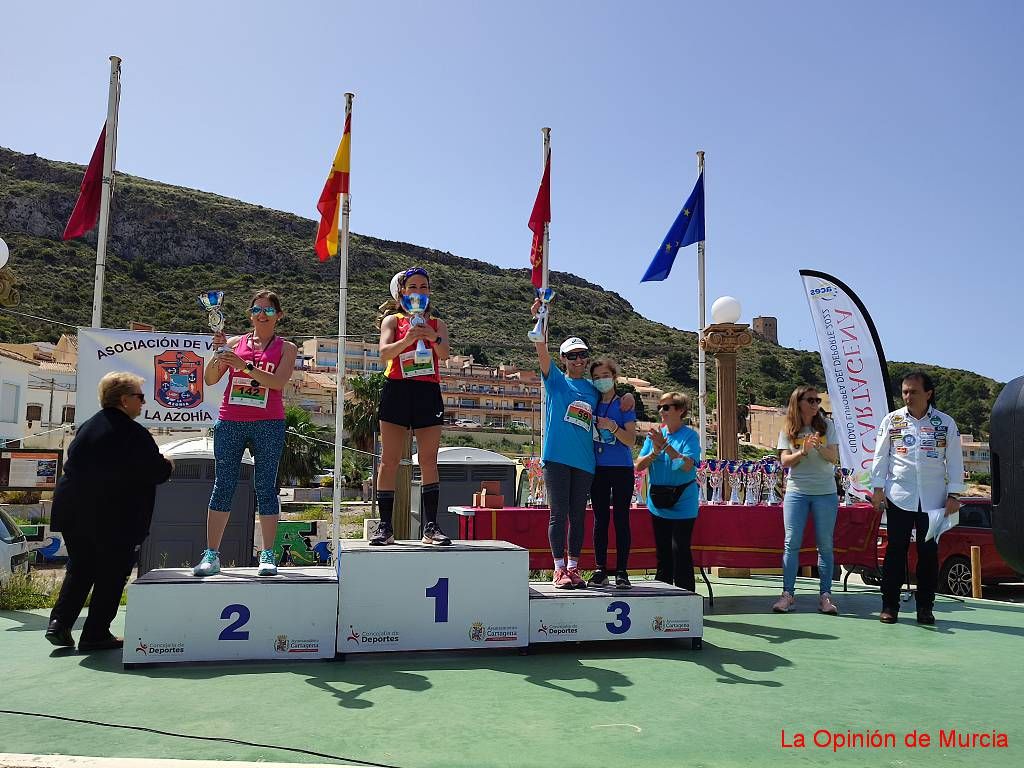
x: 855, y: 371
x: 170, y: 364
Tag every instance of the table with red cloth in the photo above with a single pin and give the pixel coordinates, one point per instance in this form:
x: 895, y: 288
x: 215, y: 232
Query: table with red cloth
x: 734, y: 536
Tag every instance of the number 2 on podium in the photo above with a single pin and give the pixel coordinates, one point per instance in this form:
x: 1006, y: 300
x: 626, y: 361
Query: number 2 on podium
x: 440, y: 594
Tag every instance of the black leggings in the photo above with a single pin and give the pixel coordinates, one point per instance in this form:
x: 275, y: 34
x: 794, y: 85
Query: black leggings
x: 672, y: 544
x: 614, y: 484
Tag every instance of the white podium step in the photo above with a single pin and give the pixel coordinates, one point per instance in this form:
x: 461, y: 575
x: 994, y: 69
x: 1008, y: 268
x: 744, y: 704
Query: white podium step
x: 650, y: 610
x: 418, y: 597
x: 174, y: 616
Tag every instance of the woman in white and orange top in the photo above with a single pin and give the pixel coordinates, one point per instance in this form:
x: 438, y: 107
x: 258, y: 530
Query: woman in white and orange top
x: 411, y: 399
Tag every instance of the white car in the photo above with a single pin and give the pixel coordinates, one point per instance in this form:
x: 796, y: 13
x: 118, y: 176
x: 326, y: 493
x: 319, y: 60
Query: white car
x: 467, y: 423
x: 14, y: 552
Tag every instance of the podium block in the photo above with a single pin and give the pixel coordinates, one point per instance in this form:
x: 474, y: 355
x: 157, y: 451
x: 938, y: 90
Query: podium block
x: 419, y: 597
x: 647, y: 611
x: 174, y: 616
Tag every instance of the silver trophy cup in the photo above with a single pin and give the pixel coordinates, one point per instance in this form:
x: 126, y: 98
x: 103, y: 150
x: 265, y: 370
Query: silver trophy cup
x: 540, y: 328
x: 213, y: 303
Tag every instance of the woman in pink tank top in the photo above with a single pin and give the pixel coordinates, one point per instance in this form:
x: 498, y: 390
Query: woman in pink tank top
x: 258, y: 366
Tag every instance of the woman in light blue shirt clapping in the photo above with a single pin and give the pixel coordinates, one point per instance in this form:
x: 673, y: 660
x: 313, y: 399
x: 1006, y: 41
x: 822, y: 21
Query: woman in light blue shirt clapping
x: 671, y: 453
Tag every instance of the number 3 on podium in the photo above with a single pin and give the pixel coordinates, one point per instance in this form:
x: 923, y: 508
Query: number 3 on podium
x: 440, y: 594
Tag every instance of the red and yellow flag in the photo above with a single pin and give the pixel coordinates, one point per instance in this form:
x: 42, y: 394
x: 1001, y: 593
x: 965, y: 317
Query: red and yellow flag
x: 330, y: 202
x: 540, y: 215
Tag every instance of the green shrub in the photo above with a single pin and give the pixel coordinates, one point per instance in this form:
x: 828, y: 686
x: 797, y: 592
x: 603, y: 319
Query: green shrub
x: 21, y: 593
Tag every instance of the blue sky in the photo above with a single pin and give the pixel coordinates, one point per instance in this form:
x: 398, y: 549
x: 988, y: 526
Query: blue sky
x: 877, y: 141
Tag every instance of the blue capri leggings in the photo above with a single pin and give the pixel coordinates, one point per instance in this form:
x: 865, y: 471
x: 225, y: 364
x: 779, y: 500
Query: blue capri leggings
x: 265, y: 440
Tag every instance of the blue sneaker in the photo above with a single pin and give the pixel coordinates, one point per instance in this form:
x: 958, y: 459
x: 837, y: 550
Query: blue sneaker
x: 209, y: 565
x: 268, y: 563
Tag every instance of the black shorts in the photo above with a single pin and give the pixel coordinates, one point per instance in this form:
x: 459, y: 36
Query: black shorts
x: 412, y: 404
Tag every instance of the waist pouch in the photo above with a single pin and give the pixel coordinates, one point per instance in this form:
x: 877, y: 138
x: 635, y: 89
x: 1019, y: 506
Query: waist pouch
x: 666, y: 496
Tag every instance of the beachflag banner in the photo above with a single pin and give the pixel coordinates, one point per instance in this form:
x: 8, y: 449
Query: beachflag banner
x: 855, y: 370
x: 171, y: 366
x: 330, y: 204
x: 87, y: 208
x: 688, y: 228
x: 540, y: 216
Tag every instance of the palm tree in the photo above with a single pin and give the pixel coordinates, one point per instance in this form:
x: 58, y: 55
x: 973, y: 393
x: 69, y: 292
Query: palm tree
x: 303, y: 455
x: 361, y: 409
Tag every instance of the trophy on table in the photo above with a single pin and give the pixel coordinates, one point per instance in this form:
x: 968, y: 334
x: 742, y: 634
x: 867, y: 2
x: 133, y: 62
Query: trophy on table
x: 753, y: 496
x: 735, y: 481
x: 415, y: 304
x: 213, y: 303
x: 540, y: 328
x: 771, y: 480
x: 846, y: 479
x: 715, y: 469
x: 702, y: 482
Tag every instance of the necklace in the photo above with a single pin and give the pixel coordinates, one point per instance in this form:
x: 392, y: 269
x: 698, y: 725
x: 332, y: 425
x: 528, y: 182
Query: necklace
x: 607, y: 407
x: 263, y: 350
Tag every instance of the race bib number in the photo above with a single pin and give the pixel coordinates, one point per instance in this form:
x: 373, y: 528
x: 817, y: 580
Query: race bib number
x: 242, y: 392
x: 414, y: 365
x: 579, y: 414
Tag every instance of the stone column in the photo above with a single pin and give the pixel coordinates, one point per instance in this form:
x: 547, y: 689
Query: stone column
x: 724, y: 340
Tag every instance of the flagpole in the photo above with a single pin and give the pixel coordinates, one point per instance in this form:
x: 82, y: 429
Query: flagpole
x: 339, y: 410
x: 545, y: 153
x: 702, y: 368
x: 109, y: 150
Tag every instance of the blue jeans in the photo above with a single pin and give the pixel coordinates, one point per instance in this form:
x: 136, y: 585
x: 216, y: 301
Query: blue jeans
x: 265, y: 440
x: 795, y: 509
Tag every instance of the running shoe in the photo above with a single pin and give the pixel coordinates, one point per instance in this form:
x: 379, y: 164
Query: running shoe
x: 598, y: 579
x: 561, y: 579
x: 622, y: 581
x: 432, y: 534
x: 385, y: 535
x: 268, y: 563
x: 785, y: 603
x: 825, y: 605
x: 576, y: 578
x: 209, y: 565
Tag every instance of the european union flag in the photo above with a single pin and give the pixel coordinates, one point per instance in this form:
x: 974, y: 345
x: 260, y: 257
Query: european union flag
x: 688, y: 228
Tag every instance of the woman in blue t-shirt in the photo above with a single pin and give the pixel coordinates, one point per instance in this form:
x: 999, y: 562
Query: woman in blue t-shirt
x: 671, y: 453
x: 614, y: 435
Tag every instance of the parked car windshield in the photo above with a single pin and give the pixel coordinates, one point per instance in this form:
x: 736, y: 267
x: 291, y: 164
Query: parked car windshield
x: 9, y: 531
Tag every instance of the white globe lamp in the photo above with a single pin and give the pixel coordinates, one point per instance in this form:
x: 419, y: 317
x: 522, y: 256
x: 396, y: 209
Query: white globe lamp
x: 726, y: 309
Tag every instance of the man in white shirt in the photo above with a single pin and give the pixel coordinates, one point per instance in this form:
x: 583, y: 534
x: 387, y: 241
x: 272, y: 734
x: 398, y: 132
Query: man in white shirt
x: 918, y: 466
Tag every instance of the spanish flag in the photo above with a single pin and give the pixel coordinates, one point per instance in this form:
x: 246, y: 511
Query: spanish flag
x: 330, y: 204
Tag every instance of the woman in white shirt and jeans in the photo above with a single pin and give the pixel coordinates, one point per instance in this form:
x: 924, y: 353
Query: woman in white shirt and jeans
x: 809, y: 449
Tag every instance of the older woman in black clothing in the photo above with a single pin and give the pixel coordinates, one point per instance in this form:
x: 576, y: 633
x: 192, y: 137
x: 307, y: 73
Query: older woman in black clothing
x: 103, y: 504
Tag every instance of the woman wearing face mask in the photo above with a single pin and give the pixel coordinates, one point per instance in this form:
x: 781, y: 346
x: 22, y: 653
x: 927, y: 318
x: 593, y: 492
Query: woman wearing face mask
x: 252, y: 414
x: 614, y: 435
x: 411, y: 400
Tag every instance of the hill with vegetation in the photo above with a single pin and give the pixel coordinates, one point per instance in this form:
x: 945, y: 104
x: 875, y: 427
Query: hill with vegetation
x: 169, y: 243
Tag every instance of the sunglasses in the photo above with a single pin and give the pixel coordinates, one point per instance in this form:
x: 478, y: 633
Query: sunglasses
x: 142, y: 397
x: 812, y: 400
x: 667, y: 406
x: 268, y: 311
x: 577, y: 355
x: 416, y: 271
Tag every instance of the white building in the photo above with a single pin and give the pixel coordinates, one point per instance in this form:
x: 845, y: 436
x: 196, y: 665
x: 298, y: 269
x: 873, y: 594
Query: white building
x: 15, y: 372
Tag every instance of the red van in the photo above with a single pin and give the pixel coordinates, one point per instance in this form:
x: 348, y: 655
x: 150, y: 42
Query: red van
x: 975, y: 529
